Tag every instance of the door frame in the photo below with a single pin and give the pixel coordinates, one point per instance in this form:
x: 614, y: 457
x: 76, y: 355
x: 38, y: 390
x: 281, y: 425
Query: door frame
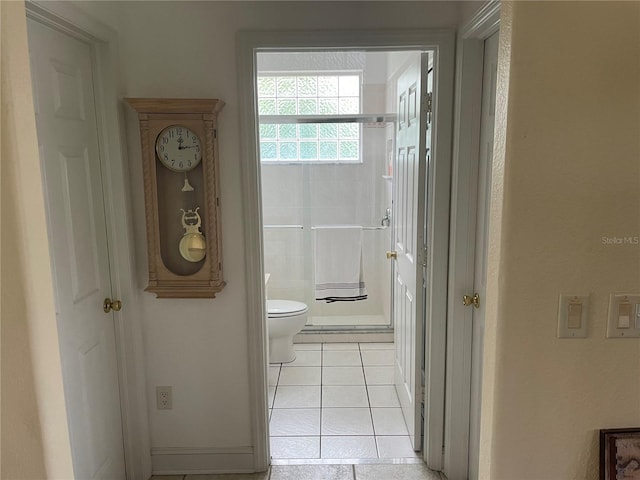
x: 69, y: 19
x: 442, y: 41
x: 460, y: 408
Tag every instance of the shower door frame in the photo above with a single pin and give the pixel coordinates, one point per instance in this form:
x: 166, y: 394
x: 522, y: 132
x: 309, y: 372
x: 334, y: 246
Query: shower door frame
x: 442, y: 43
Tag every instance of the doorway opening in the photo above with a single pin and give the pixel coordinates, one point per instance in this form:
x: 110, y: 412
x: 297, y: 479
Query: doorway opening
x: 340, y: 136
x: 421, y: 342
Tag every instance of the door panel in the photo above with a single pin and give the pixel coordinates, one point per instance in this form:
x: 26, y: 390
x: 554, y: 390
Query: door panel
x: 408, y: 235
x: 75, y: 171
x: 68, y: 141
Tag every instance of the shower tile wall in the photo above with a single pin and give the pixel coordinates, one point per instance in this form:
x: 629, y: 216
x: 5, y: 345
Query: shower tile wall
x: 311, y: 195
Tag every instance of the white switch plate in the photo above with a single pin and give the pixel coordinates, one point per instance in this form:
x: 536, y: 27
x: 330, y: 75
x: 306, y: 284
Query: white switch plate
x: 624, y: 315
x: 573, y: 314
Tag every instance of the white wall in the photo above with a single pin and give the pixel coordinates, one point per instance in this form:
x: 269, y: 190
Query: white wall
x: 108, y: 13
x: 570, y: 175
x: 183, y: 49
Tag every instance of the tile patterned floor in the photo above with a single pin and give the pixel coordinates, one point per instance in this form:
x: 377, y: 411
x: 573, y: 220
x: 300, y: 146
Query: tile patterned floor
x: 325, y: 472
x: 337, y: 401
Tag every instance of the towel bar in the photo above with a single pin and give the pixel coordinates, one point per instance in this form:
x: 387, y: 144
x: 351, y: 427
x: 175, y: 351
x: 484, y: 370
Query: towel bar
x: 375, y: 227
x: 299, y: 227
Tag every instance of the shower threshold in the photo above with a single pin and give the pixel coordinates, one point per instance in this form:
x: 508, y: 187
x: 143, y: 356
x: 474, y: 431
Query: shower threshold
x: 344, y: 334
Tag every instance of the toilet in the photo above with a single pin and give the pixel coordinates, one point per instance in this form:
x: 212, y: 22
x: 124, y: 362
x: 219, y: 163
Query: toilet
x: 285, y: 318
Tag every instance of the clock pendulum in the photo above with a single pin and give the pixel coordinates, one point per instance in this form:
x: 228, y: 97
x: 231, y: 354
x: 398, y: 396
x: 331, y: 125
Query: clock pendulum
x: 193, y: 245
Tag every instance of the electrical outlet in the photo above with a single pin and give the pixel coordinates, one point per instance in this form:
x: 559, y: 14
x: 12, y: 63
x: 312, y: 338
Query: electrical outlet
x: 164, y: 398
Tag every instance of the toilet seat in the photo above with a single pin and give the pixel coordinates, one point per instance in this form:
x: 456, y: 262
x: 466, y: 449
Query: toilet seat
x: 285, y: 308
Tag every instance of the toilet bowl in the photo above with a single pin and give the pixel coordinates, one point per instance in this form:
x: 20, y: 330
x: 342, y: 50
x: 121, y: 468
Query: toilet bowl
x: 285, y: 318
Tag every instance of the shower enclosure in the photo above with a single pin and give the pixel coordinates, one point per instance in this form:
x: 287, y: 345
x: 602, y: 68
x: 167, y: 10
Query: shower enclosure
x: 327, y: 133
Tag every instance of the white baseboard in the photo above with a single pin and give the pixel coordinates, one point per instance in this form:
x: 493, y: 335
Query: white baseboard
x: 181, y: 461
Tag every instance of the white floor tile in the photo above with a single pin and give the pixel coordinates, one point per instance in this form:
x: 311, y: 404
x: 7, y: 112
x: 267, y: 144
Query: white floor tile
x: 311, y: 472
x: 339, y: 346
x: 271, y: 393
x: 379, y: 375
x: 274, y: 371
x: 417, y: 471
x: 378, y: 357
x: 346, y: 421
x: 297, y: 396
x: 344, y: 396
x: 356, y: 447
x: 295, y: 447
x: 383, y: 396
x: 307, y: 346
x: 305, y: 358
x: 342, y: 376
x: 289, y: 422
x: 228, y: 476
x: 388, y: 421
x: 395, y: 447
x: 299, y: 376
x: 377, y: 346
x: 341, y: 358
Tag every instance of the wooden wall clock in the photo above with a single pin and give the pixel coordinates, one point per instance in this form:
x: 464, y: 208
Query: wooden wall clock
x: 179, y: 146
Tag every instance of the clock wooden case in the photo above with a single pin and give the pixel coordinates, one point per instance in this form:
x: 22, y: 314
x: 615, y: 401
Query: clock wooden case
x: 179, y: 147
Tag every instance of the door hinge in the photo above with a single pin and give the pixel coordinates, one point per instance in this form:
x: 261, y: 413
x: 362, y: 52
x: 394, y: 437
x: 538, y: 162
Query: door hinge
x: 423, y: 256
x: 428, y: 107
x: 421, y: 395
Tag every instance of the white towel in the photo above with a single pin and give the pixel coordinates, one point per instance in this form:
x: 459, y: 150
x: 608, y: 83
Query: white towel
x: 338, y: 264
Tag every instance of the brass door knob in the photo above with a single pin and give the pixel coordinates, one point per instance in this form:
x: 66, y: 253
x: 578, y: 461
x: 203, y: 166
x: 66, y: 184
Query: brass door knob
x: 109, y: 305
x: 392, y: 255
x: 475, y: 300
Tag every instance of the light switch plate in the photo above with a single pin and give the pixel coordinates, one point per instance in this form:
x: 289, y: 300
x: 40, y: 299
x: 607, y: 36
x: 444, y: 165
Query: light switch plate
x: 573, y: 315
x: 624, y: 315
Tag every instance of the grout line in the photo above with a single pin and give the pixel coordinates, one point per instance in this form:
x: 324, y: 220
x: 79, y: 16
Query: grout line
x: 366, y: 386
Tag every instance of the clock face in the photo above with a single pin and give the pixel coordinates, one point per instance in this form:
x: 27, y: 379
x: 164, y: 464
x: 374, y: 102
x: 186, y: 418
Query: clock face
x: 178, y: 148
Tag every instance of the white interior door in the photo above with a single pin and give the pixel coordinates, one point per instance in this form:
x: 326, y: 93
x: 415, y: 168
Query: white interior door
x: 487, y: 124
x: 69, y: 151
x: 408, y: 242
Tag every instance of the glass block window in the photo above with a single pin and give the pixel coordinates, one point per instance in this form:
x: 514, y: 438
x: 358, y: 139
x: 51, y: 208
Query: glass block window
x: 301, y: 95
